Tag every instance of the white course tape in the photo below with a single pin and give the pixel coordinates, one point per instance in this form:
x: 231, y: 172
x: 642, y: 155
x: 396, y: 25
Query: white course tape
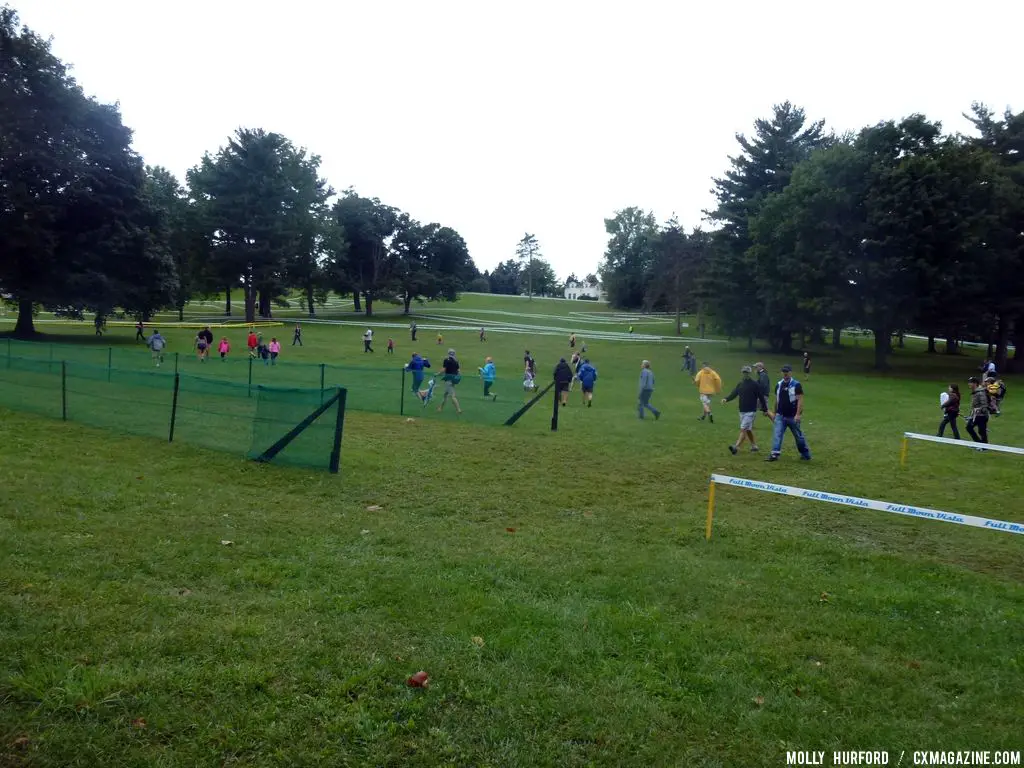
x: 880, y: 506
x: 965, y: 443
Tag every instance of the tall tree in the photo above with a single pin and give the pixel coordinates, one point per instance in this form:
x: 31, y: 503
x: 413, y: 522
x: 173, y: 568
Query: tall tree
x: 538, y: 278
x: 527, y: 250
x: 432, y: 262
x: 260, y: 199
x: 628, y: 257
x: 591, y: 278
x: 762, y: 168
x: 76, y: 229
x: 504, y: 278
x: 369, y: 228
x: 679, y: 261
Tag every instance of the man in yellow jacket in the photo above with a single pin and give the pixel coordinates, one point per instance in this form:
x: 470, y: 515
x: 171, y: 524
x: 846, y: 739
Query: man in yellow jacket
x: 708, y: 384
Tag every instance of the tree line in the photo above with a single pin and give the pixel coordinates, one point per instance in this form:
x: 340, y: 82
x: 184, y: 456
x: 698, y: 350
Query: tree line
x: 86, y: 226
x: 897, y: 228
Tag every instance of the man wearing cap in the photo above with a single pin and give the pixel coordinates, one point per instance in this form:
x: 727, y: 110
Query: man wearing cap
x: 451, y: 378
x: 709, y: 384
x: 789, y: 410
x: 751, y: 398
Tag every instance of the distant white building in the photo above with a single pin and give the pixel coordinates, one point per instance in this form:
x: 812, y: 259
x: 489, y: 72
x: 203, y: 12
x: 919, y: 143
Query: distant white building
x: 578, y: 290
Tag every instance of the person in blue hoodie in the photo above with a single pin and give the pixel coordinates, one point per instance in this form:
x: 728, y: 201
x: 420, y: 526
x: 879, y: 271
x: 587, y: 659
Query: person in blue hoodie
x: 488, y: 374
x: 645, y: 391
x: 587, y: 374
x: 415, y: 366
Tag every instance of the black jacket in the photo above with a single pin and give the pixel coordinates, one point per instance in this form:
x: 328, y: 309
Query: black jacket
x: 750, y: 395
x: 764, y: 383
x: 563, y: 374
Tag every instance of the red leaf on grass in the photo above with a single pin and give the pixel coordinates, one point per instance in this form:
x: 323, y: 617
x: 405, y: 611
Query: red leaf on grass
x: 139, y: 722
x: 511, y: 530
x: 420, y: 680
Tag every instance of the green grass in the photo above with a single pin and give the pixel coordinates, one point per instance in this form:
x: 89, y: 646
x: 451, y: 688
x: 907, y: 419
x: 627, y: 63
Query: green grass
x: 613, y: 633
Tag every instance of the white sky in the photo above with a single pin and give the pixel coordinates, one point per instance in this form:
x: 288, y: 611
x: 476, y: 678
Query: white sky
x: 498, y: 119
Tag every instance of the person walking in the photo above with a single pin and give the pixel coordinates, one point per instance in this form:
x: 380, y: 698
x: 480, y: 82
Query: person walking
x: 412, y: 330
x: 751, y: 400
x: 488, y: 373
x: 207, y: 336
x: 807, y: 365
x: 689, y: 361
x: 646, y: 389
x: 368, y: 341
x: 789, y: 411
x: 762, y: 380
x: 451, y: 379
x: 530, y: 363
x: 572, y: 341
x: 391, y: 346
x: 483, y: 334
x: 587, y: 374
x: 709, y: 384
x: 224, y: 347
x: 415, y: 366
x: 275, y: 350
x: 951, y: 411
x: 563, y: 378
x: 156, y: 344
x: 977, y: 422
x: 297, y: 335
x: 139, y: 335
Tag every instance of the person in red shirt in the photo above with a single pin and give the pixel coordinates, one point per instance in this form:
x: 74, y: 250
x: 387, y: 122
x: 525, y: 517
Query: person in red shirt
x: 252, y: 342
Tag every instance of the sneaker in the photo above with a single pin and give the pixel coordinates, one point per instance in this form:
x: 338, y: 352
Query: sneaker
x: 772, y: 457
x: 805, y: 458
x: 711, y: 418
x: 733, y: 450
x: 754, y: 449
x: 657, y: 415
x: 589, y: 403
x: 494, y: 398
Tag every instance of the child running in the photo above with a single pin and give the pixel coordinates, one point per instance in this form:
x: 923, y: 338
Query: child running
x: 224, y: 347
x: 488, y: 373
x: 391, y: 346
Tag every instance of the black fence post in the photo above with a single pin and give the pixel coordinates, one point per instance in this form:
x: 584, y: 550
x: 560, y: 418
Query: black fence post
x: 339, y: 427
x: 63, y: 389
x: 554, y: 413
x: 250, y: 375
x: 110, y: 361
x: 401, y: 406
x: 322, y: 369
x: 175, y: 363
x: 174, y: 408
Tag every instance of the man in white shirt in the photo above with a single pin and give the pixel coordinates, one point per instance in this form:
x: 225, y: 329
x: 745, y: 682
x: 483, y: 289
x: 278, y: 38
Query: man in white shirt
x: 368, y: 340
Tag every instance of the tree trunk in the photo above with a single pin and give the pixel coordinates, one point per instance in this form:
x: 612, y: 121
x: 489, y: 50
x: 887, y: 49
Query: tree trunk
x: 181, y: 313
x: 700, y: 317
x: 931, y: 343
x: 369, y: 303
x: 355, y: 301
x: 988, y: 352
x: 408, y: 301
x: 310, y: 301
x: 250, y: 304
x: 883, y: 345
x: 227, y: 301
x: 951, y: 343
x: 817, y: 337
x: 24, y: 328
x: 899, y: 338
x: 750, y: 343
x: 266, y: 311
x: 1002, y: 342
x: 679, y: 320
x: 836, y: 337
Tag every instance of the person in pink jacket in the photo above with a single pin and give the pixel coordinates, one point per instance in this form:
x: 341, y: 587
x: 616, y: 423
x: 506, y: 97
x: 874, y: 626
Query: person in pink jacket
x: 224, y: 347
x: 275, y: 350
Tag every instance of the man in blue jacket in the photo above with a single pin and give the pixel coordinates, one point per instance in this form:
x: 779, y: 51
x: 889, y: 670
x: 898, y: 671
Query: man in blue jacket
x: 415, y: 366
x: 587, y: 374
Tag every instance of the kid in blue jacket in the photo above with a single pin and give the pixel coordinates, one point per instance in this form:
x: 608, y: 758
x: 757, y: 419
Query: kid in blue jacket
x: 488, y: 374
x: 415, y: 366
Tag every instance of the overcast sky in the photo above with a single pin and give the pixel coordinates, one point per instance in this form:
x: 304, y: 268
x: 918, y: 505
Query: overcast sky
x: 542, y: 117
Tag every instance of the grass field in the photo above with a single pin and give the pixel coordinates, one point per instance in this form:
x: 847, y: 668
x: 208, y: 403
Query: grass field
x: 556, y: 586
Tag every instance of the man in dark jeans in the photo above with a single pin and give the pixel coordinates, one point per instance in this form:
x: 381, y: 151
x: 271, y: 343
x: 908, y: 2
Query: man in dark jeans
x: 789, y: 410
x: 978, y: 419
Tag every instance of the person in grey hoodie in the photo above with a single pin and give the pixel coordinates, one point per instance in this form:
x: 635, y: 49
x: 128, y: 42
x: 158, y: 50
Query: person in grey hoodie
x: 646, y: 390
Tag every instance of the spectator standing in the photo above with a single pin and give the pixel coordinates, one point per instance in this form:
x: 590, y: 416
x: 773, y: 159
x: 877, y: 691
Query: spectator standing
x: 807, y: 364
x: 789, y: 411
x: 297, y: 335
x: 751, y: 400
x: 412, y: 330
x: 368, y: 341
x: 646, y: 390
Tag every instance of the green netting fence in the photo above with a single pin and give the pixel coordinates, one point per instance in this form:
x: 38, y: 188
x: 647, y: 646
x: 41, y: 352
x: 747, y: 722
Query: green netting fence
x: 290, y: 425
x: 386, y: 390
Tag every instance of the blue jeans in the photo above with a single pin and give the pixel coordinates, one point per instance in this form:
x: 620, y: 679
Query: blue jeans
x: 645, y: 402
x: 782, y: 423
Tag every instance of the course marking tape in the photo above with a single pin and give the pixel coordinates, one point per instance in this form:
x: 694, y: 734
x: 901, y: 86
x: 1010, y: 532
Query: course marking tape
x: 965, y: 443
x: 855, y: 501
